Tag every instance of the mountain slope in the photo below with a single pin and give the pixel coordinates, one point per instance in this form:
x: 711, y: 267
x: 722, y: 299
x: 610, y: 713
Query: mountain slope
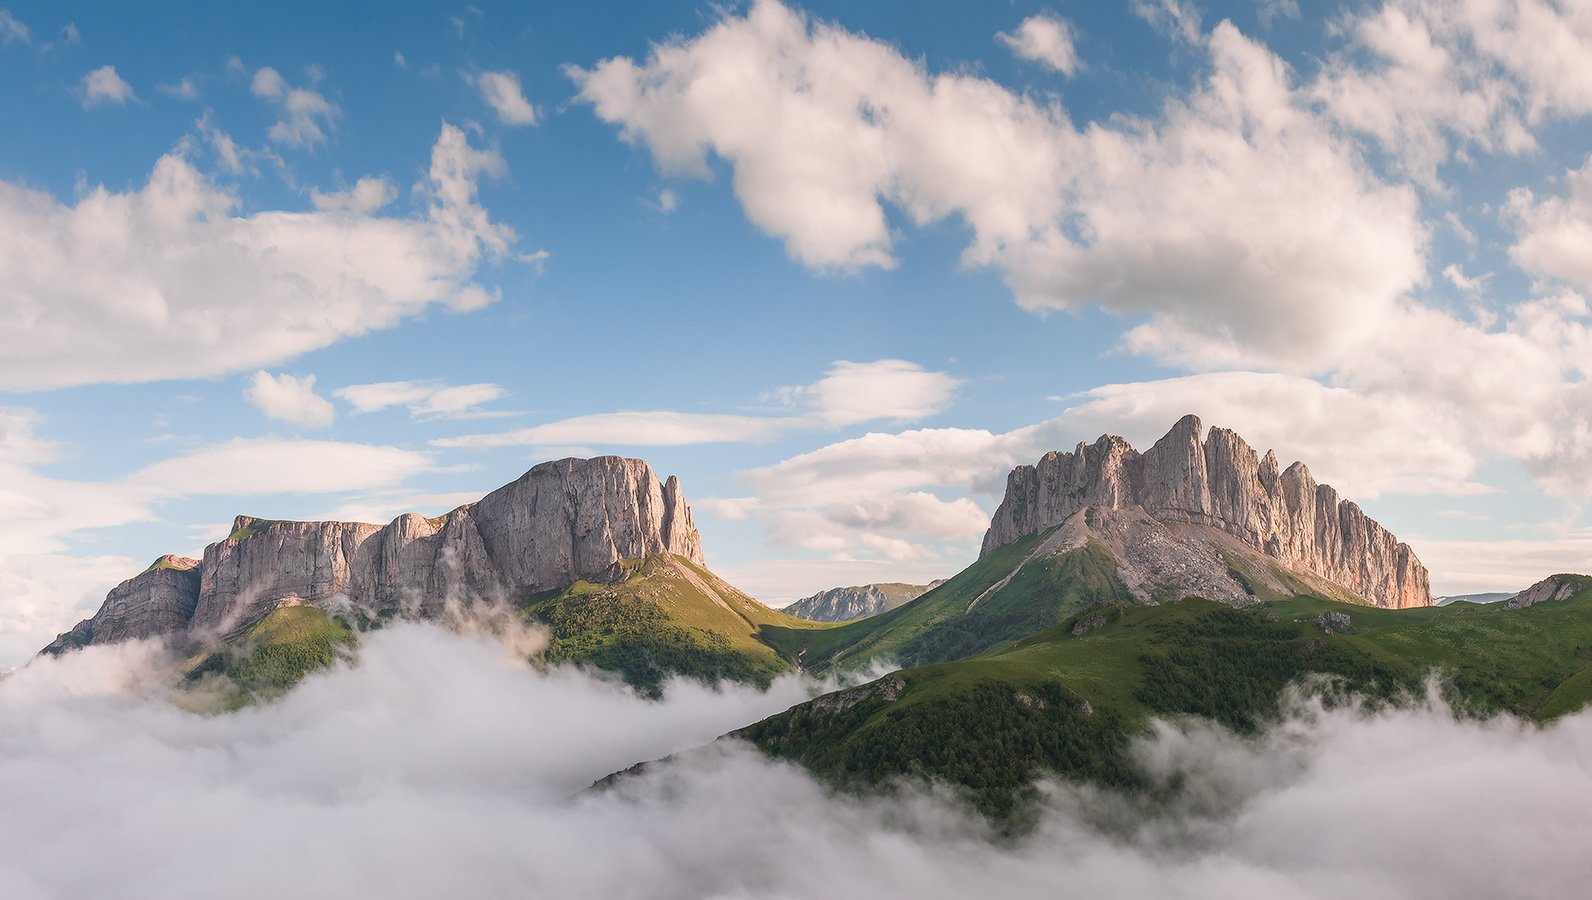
x: 842, y: 604
x: 1068, y: 700
x: 667, y: 616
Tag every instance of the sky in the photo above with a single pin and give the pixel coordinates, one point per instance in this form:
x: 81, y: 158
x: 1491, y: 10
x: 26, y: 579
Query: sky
x: 838, y: 266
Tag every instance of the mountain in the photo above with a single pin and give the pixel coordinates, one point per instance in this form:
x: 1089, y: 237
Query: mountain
x: 1179, y: 505
x: 842, y: 604
x: 1493, y: 597
x: 1105, y: 523
x: 1071, y: 699
x: 552, y: 543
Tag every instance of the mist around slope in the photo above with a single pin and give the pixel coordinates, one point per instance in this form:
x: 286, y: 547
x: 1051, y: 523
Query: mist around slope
x: 442, y: 765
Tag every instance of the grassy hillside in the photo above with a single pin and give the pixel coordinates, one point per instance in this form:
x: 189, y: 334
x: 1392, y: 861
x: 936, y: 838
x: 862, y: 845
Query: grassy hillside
x: 1069, y: 698
x: 276, y: 652
x: 983, y: 606
x: 667, y: 616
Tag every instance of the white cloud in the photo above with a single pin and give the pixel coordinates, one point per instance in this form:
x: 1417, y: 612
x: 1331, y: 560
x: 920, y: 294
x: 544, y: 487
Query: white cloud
x: 102, y: 86
x: 423, y: 399
x: 167, y: 281
x: 1554, y: 234
x: 1427, y: 77
x: 501, y: 90
x: 290, y: 399
x: 267, y: 466
x: 885, y: 389
x: 1192, y: 220
x: 305, y: 114
x: 1044, y: 39
x: 1271, y: 10
x: 186, y: 88
x: 850, y: 393
x: 384, y: 506
x: 1473, y: 285
x: 13, y: 30
x: 47, y: 592
x: 1179, y: 19
x: 399, y: 61
x: 368, y: 195
x: 268, y: 83
x: 460, y: 771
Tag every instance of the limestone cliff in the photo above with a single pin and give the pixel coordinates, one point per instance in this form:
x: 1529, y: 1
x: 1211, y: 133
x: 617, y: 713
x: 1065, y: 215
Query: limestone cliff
x: 844, y: 604
x: 560, y: 522
x: 1217, y: 483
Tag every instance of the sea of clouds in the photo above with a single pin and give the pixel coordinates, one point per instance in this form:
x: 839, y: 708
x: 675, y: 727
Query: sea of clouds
x: 443, y: 765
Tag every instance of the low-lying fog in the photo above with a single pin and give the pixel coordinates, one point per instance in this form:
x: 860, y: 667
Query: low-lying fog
x: 441, y: 767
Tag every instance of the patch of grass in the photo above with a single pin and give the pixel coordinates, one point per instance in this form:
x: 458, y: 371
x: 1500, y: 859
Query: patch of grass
x: 275, y: 653
x: 666, y: 617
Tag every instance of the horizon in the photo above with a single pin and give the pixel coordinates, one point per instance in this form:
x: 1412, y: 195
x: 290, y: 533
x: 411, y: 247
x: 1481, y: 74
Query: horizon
x: 838, y: 269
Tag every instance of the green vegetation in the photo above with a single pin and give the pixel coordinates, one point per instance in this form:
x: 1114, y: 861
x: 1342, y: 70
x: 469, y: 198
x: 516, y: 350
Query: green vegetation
x: 1105, y: 671
x: 251, y: 529
x: 666, y: 617
x: 984, y: 606
x: 275, y: 653
x: 166, y: 563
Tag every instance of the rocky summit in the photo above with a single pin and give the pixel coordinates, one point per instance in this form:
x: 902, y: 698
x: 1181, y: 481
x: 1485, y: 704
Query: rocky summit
x: 561, y: 522
x: 1197, y: 505
x: 843, y: 604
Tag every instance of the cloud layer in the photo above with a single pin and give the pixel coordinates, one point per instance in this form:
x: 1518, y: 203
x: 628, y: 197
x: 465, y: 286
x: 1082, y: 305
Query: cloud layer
x: 442, y: 766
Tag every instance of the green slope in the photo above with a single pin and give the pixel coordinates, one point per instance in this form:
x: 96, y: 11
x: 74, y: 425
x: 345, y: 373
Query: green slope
x: 275, y: 653
x: 973, y: 611
x: 667, y: 616
x: 980, y: 722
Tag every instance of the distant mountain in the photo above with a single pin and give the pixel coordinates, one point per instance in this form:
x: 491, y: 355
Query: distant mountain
x: 1471, y: 598
x: 843, y: 604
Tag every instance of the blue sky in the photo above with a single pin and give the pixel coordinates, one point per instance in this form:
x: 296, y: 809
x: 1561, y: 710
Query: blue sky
x: 838, y: 268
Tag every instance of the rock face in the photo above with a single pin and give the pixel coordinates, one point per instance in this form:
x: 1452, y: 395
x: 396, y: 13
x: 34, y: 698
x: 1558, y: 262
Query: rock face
x: 158, y: 601
x: 1218, y: 483
x: 1548, y: 590
x: 560, y: 522
x: 843, y: 604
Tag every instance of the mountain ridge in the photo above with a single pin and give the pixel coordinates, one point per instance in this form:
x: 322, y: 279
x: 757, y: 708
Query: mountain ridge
x: 1220, y: 483
x: 560, y: 522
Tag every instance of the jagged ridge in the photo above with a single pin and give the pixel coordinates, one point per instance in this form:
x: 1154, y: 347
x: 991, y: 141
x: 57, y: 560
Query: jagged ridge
x: 561, y: 522
x: 1219, y: 483
x: 843, y: 604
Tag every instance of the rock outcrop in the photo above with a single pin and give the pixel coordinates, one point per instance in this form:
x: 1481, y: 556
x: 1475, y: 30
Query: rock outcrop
x: 844, y: 604
x: 1218, y: 483
x: 562, y: 521
x: 1549, y: 590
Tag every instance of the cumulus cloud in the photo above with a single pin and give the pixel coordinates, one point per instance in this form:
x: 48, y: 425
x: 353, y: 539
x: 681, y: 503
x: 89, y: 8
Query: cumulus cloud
x: 305, y: 115
x: 501, y: 91
x: 289, y: 398
x: 1554, y: 234
x: 103, y: 86
x: 441, y: 766
x: 850, y: 393
x: 185, y: 88
x: 423, y: 399
x: 1191, y: 220
x: 1428, y: 77
x: 1501, y: 563
x: 170, y: 281
x: 1044, y: 39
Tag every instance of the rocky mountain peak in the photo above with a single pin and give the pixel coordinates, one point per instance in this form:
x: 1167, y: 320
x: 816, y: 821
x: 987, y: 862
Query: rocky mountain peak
x: 1213, y: 479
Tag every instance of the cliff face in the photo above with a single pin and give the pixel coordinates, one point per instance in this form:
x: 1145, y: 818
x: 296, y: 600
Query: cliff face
x: 1220, y: 483
x: 859, y: 601
x: 560, y: 522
